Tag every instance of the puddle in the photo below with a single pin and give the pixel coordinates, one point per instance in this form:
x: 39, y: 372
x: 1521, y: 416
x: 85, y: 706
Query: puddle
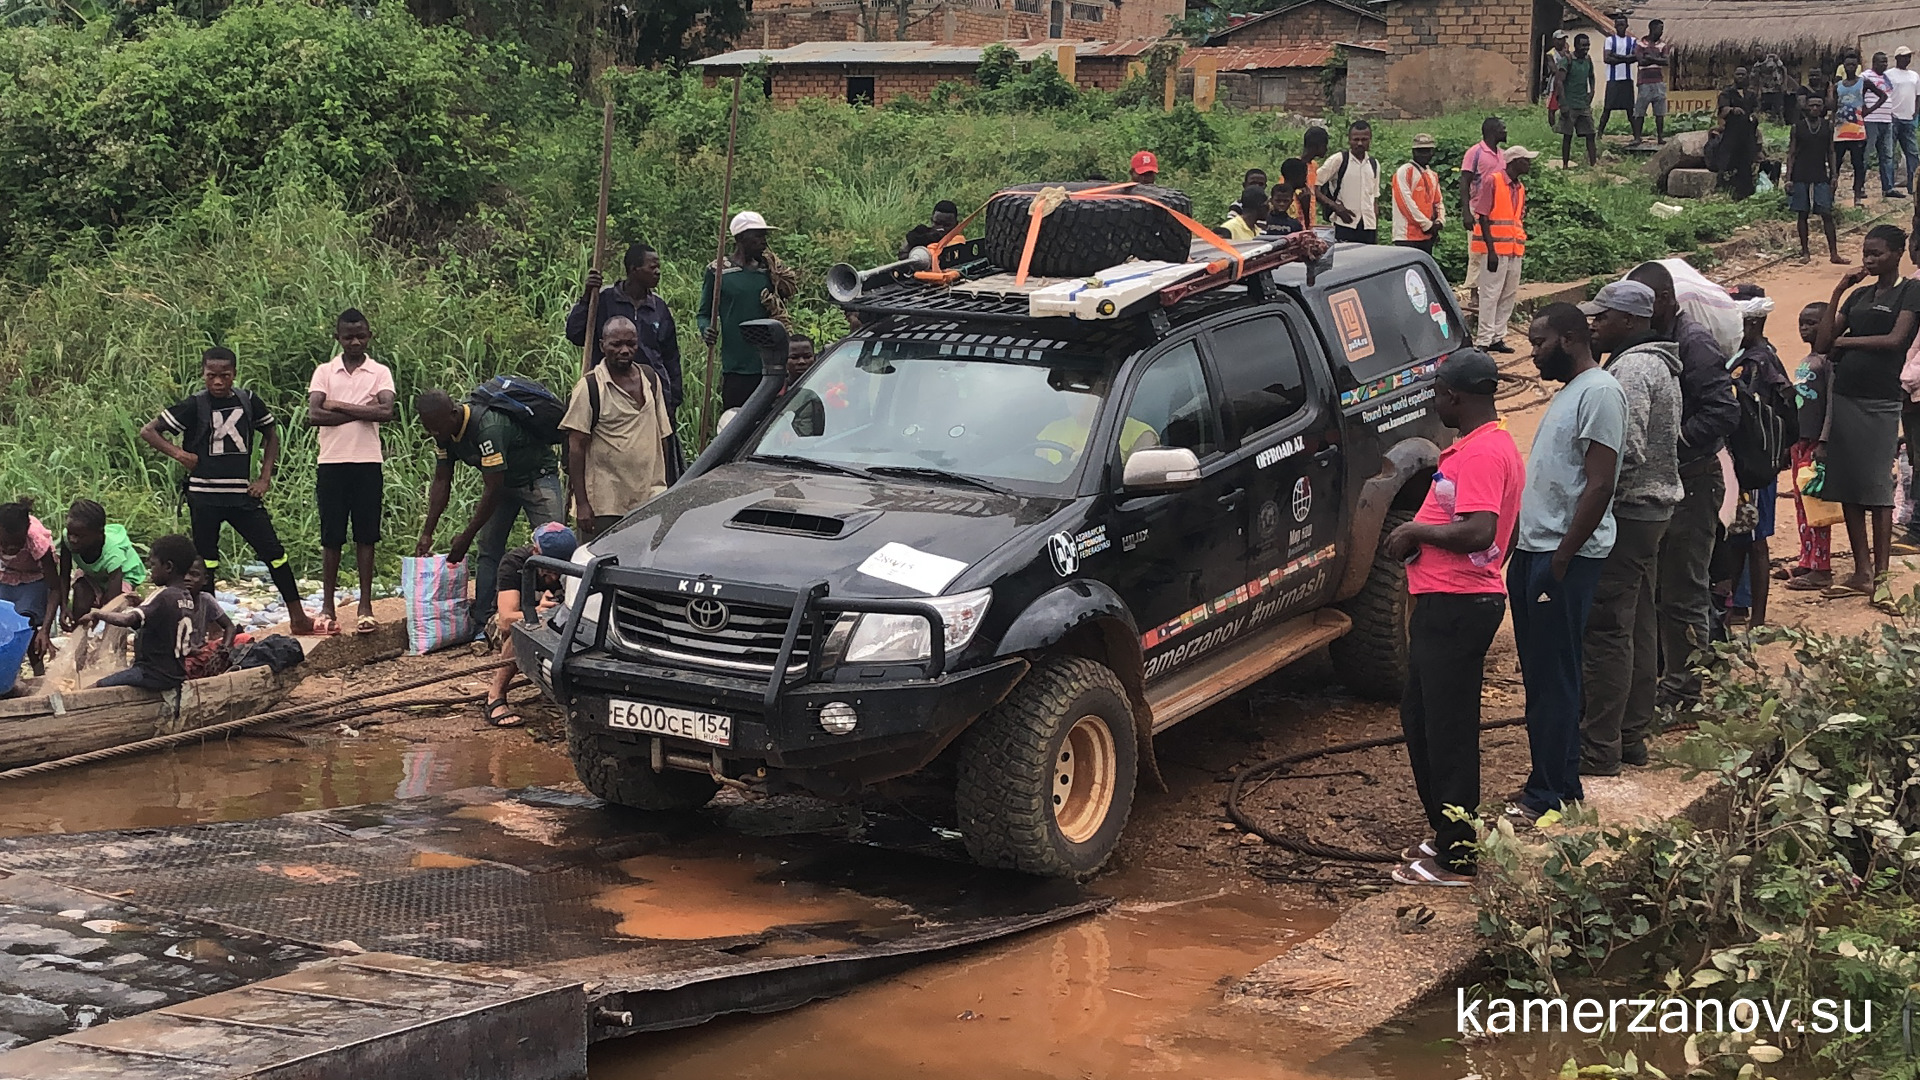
x: 243, y: 779
x: 440, y: 860
x: 1131, y: 993
x: 740, y: 897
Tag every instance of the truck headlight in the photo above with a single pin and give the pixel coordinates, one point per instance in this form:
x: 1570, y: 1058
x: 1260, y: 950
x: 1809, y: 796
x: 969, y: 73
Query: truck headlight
x: 875, y: 639
x: 570, y: 587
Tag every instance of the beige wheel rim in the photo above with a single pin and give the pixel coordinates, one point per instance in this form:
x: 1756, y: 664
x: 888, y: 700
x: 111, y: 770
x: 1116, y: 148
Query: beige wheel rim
x: 1084, y: 779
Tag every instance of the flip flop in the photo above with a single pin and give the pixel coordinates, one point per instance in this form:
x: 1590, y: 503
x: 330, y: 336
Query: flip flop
x: 324, y: 626
x: 495, y: 707
x: 1422, y: 850
x: 366, y: 624
x: 1805, y: 583
x: 1429, y: 872
x: 1841, y: 591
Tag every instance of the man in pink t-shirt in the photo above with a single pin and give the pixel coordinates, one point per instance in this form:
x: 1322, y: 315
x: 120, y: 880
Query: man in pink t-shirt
x: 1454, y: 550
x: 348, y: 398
x: 1481, y: 161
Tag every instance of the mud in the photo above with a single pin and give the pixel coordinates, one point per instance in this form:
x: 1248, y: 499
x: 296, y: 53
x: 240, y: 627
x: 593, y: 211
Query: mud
x: 1135, y: 992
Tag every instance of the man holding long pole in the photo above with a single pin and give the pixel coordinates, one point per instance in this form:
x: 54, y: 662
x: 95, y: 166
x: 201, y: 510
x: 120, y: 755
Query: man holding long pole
x: 749, y: 283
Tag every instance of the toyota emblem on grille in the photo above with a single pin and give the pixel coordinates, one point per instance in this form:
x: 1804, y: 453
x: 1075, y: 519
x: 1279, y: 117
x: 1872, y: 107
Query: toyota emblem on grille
x: 708, y: 615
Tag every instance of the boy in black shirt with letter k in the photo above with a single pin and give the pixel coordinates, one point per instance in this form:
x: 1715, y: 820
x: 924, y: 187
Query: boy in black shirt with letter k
x: 216, y: 428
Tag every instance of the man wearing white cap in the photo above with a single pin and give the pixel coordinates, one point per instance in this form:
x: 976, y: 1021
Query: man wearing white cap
x: 1905, y: 83
x: 753, y: 284
x: 1499, y: 242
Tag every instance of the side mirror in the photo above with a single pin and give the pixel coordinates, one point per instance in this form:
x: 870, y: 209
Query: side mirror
x: 1161, y: 469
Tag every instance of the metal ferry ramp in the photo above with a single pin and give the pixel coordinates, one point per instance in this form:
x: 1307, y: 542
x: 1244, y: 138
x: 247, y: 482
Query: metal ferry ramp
x: 478, y: 934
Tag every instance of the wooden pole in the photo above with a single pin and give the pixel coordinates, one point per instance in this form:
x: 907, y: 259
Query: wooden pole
x: 599, y: 235
x: 711, y: 393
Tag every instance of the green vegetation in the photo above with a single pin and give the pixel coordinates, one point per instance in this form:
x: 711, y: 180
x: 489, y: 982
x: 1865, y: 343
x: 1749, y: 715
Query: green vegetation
x: 1808, y: 888
x: 240, y: 177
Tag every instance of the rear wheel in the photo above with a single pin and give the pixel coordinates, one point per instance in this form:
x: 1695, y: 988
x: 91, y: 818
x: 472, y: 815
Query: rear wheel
x: 1372, y: 658
x: 629, y: 780
x: 1046, y: 778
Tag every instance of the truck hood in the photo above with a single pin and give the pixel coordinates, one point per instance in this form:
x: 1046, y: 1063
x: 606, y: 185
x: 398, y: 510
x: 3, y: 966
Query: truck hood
x: 785, y: 527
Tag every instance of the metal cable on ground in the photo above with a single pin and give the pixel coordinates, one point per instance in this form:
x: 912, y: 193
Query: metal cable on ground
x: 287, y: 729
x: 161, y: 742
x: 1310, y: 847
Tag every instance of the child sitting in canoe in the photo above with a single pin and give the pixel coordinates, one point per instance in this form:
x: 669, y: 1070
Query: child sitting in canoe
x: 164, y: 623
x: 27, y: 569
x: 207, y: 656
x: 97, y: 564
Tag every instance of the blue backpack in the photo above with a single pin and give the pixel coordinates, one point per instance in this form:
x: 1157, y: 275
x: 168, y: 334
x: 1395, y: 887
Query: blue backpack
x: 526, y: 402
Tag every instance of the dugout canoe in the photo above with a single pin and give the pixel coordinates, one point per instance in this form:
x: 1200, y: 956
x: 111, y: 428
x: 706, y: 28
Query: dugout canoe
x: 43, y: 727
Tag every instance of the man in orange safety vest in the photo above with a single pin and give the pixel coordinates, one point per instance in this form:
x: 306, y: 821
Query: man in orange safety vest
x: 1499, y: 242
x: 1418, y: 209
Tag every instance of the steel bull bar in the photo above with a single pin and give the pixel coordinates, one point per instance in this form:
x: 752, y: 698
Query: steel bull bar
x: 602, y: 575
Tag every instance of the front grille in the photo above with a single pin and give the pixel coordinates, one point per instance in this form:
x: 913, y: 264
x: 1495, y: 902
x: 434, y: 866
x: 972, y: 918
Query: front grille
x: 750, y: 641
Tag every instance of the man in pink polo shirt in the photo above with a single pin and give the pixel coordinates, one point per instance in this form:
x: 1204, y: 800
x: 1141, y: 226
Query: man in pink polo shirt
x: 348, y: 398
x: 1454, y: 549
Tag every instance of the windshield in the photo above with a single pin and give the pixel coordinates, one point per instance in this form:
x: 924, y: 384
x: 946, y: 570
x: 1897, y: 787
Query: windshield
x: 1013, y: 411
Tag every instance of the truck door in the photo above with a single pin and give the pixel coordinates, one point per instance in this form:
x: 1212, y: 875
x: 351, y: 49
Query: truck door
x: 1285, y: 435
x: 1181, y: 552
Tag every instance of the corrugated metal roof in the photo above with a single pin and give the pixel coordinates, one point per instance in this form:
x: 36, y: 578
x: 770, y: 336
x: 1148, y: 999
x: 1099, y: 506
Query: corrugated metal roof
x: 885, y: 52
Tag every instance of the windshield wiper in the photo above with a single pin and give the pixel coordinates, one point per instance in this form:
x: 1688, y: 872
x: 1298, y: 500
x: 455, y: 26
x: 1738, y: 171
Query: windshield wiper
x: 809, y: 463
x: 930, y: 473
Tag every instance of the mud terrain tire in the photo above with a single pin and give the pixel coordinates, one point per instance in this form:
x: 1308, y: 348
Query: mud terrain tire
x: 1046, y: 778
x: 1081, y: 238
x: 1372, y: 658
x: 630, y: 781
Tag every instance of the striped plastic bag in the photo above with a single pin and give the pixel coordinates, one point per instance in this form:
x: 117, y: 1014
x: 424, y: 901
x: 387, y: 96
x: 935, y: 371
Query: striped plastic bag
x: 436, y: 595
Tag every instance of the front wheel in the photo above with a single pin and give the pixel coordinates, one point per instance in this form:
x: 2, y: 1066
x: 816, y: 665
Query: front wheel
x: 1046, y: 778
x: 629, y: 780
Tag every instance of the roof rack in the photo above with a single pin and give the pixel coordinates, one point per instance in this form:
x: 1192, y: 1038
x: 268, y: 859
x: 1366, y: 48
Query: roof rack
x: 1134, y: 287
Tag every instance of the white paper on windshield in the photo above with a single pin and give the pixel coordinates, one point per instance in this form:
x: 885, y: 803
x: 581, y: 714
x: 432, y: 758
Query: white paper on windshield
x: 918, y: 570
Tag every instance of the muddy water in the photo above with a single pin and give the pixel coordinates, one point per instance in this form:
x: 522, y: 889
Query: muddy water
x: 1137, y: 991
x: 251, y: 778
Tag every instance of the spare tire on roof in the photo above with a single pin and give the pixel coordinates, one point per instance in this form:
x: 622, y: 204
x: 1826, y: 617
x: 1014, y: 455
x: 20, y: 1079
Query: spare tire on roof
x: 1085, y: 236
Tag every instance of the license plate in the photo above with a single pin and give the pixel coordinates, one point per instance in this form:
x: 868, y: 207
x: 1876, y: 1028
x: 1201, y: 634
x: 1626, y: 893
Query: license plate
x: 711, y: 728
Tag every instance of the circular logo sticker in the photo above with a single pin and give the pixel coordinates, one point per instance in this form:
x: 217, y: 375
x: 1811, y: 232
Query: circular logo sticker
x: 1065, y: 553
x: 1269, y: 520
x: 1416, y: 289
x: 1302, y: 499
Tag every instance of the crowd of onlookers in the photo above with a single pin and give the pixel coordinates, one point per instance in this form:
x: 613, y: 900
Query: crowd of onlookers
x: 1638, y: 530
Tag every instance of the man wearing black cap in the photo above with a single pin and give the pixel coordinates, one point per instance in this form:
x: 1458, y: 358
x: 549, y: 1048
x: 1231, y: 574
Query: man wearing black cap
x: 1453, y: 549
x: 1621, y: 668
x: 945, y: 216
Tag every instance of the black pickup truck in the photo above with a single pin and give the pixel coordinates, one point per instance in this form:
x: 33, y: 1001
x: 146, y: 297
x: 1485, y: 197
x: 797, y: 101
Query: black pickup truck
x: 1008, y: 550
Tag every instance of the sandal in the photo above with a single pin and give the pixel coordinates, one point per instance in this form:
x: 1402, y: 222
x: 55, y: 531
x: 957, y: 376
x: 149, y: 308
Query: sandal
x: 494, y: 719
x: 1811, y: 581
x: 1841, y: 591
x: 324, y: 626
x: 366, y: 624
x: 1422, y: 850
x: 1429, y: 872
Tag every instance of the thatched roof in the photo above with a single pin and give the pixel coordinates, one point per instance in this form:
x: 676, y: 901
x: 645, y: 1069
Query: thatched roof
x: 1798, y: 27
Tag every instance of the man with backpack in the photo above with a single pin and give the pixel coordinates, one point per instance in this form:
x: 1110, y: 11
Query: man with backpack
x: 617, y: 427
x: 1760, y: 447
x: 507, y: 431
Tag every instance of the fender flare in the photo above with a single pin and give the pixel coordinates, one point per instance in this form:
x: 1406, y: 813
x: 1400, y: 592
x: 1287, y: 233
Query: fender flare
x: 1076, y: 607
x: 1400, y: 465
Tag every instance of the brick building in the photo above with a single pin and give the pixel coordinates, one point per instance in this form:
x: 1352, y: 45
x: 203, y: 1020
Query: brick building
x: 1291, y: 79
x: 1304, y: 22
x: 1447, y: 54
x: 777, y: 24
